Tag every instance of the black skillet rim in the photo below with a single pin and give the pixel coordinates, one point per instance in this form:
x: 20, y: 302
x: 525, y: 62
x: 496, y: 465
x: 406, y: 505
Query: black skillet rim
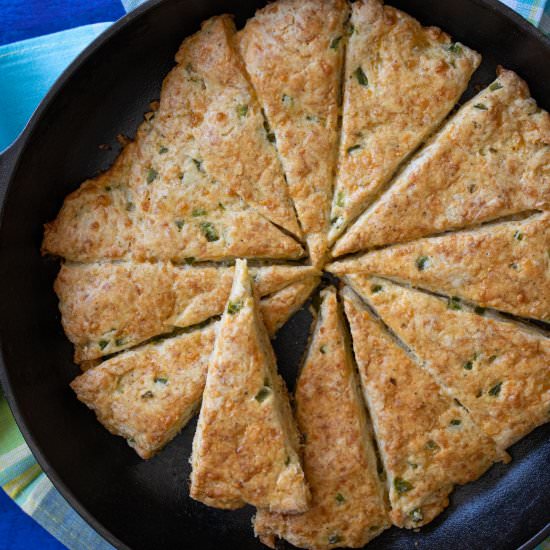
x: 15, y: 151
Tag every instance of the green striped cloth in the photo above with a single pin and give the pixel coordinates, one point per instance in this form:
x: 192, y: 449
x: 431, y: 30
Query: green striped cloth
x: 21, y: 477
x: 23, y: 480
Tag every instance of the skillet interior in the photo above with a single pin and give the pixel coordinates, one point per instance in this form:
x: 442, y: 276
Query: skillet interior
x: 145, y: 504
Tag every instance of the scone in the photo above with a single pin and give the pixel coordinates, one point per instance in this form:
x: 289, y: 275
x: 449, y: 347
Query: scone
x: 498, y: 369
x: 502, y: 266
x: 427, y: 441
x: 347, y: 497
x: 200, y: 182
x: 246, y: 449
x: 208, y: 98
x: 148, y: 394
x: 293, y: 51
x: 491, y: 159
x: 400, y: 81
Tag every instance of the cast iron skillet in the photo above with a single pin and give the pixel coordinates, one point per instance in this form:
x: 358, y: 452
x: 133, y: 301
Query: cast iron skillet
x: 139, y: 504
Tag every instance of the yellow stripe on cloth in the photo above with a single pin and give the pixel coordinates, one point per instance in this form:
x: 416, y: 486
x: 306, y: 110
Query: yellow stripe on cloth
x: 16, y: 485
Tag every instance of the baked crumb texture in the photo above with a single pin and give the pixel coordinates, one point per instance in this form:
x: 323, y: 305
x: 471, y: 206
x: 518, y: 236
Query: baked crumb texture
x: 322, y: 135
x: 246, y: 446
x: 149, y: 393
x: 348, y: 506
x: 430, y: 442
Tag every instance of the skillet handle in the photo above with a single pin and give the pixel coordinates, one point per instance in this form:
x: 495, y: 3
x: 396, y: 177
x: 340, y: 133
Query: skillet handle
x: 8, y: 158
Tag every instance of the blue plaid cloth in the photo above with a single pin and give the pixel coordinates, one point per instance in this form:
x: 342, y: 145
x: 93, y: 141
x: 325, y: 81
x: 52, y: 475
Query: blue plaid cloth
x: 535, y: 11
x: 40, y: 60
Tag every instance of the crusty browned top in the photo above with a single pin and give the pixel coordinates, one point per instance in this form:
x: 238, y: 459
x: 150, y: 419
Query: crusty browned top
x: 245, y: 448
x: 183, y: 213
x: 173, y: 194
x: 209, y: 96
x: 401, y: 80
x: 428, y: 442
x: 95, y: 221
x: 108, y: 307
x: 491, y: 159
x: 347, y: 507
x: 498, y: 369
x: 293, y: 51
x: 206, y: 180
x: 503, y: 266
x: 148, y: 394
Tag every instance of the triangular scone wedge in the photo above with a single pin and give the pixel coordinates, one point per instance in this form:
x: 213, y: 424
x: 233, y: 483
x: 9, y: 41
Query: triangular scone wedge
x: 147, y: 395
x: 498, y: 369
x: 210, y: 98
x: 428, y: 443
x: 96, y: 221
x: 246, y: 447
x: 347, y: 497
x: 293, y: 51
x: 186, y: 215
x: 401, y: 81
x: 183, y: 211
x: 502, y: 266
x: 108, y: 307
x: 158, y: 202
x: 492, y: 159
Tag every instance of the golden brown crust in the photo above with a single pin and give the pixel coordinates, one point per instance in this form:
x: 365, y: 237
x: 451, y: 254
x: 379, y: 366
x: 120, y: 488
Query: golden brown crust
x: 117, y: 389
x: 109, y: 307
x: 268, y: 281
x: 157, y: 203
x: 148, y: 395
x: 206, y: 181
x: 347, y: 507
x: 496, y: 368
x: 113, y: 306
x: 293, y: 52
x: 164, y: 199
x: 208, y: 94
x: 491, y: 159
x: 94, y: 221
x: 428, y: 443
x: 411, y: 76
x: 245, y: 448
x: 184, y: 213
x: 502, y: 266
